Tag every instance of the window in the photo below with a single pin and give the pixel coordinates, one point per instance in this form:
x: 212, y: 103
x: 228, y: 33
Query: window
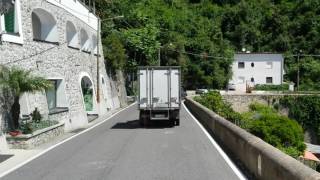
x: 52, y: 95
x: 94, y: 44
x: 85, y: 41
x: 56, y: 97
x: 9, y: 20
x: 240, y: 65
x: 241, y: 79
x: 269, y: 80
x: 252, y: 79
x: 44, y: 26
x: 72, y: 35
x: 252, y: 64
x: 269, y: 65
x: 10, y: 24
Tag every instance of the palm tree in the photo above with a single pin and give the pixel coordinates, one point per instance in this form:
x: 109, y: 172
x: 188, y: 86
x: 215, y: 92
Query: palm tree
x: 20, y: 81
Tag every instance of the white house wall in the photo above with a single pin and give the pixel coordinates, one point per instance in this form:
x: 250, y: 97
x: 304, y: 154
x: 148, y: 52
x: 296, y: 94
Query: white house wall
x: 78, y: 10
x: 260, y: 71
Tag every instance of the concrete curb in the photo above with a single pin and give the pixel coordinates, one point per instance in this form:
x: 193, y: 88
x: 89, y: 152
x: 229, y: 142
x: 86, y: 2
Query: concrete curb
x: 263, y: 160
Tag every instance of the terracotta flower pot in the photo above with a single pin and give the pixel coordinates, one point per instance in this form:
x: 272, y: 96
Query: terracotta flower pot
x: 14, y: 133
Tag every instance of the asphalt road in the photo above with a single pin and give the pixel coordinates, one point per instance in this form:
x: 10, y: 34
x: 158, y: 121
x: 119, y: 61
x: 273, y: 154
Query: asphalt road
x: 120, y: 149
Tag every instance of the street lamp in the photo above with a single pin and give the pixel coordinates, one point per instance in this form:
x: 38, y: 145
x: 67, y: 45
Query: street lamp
x: 98, y: 51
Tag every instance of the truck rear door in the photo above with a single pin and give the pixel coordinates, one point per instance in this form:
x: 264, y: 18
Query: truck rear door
x: 175, y: 87
x: 160, y: 88
x: 143, y: 88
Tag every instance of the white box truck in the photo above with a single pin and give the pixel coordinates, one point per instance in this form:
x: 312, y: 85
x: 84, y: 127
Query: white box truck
x: 159, y: 94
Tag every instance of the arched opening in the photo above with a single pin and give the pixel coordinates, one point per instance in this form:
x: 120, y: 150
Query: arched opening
x: 44, y: 26
x: 72, y: 35
x: 85, y: 42
x: 87, y: 93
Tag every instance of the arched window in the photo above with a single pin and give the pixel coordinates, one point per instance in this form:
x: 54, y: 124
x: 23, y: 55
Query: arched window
x: 44, y: 26
x: 94, y: 44
x: 85, y: 41
x: 72, y: 35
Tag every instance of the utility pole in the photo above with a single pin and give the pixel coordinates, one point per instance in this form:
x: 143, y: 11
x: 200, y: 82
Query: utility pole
x: 98, y: 59
x: 159, y: 56
x: 298, y: 72
x: 98, y: 52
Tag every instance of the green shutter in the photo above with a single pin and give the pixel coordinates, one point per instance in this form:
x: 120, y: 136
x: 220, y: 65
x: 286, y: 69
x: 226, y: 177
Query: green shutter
x: 9, y: 21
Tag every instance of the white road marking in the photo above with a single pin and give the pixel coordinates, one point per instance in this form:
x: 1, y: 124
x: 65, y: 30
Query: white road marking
x: 58, y: 144
x: 215, y: 144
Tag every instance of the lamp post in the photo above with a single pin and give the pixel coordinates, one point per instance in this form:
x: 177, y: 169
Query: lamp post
x: 98, y: 51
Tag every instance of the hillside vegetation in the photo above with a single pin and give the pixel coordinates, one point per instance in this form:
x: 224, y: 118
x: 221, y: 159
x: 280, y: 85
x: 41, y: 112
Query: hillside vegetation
x: 202, y: 36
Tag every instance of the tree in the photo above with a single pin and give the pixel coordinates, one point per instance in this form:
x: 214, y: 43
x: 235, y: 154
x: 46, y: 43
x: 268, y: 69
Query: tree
x: 114, y: 52
x: 20, y: 81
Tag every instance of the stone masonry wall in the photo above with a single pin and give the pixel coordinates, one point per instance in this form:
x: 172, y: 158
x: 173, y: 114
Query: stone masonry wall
x: 35, y: 139
x: 58, y: 61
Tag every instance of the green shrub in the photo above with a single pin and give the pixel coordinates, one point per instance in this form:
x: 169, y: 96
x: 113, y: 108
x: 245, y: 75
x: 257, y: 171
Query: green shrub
x: 36, y: 116
x: 213, y: 100
x: 26, y: 128
x: 262, y: 121
x: 277, y: 130
x: 271, y: 87
x: 305, y: 110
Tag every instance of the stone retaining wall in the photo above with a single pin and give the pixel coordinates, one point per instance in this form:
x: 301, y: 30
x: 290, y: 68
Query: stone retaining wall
x: 263, y: 160
x: 29, y: 141
x: 241, y: 102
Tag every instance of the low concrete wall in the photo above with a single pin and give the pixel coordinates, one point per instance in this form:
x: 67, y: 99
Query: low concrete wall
x: 29, y: 141
x: 263, y: 160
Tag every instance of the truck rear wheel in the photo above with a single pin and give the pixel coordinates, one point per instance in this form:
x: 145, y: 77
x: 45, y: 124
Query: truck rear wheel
x: 146, y: 119
x: 141, y: 116
x: 177, y: 122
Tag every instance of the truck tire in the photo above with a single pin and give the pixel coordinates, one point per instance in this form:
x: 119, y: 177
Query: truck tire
x: 141, y: 118
x: 146, y: 119
x: 178, y: 122
x: 177, y: 118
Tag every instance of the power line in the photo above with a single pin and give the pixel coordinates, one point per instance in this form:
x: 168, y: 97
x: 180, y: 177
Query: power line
x: 201, y: 55
x: 304, y: 55
x: 33, y: 55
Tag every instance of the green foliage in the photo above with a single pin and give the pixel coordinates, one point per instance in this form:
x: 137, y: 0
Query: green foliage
x: 114, y: 52
x: 277, y: 130
x: 20, y: 81
x: 30, y: 127
x: 305, y: 110
x: 213, y: 100
x: 262, y: 121
x: 269, y: 87
x: 36, y: 116
x: 26, y: 128
x: 216, y: 28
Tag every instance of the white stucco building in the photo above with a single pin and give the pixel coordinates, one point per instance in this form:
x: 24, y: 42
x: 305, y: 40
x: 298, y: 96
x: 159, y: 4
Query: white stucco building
x: 256, y: 68
x: 57, y: 39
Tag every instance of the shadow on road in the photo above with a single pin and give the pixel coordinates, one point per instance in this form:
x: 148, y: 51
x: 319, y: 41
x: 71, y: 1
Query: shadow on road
x: 134, y: 124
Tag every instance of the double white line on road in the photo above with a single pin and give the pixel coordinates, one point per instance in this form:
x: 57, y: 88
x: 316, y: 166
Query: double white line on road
x: 58, y: 144
x: 216, y: 145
